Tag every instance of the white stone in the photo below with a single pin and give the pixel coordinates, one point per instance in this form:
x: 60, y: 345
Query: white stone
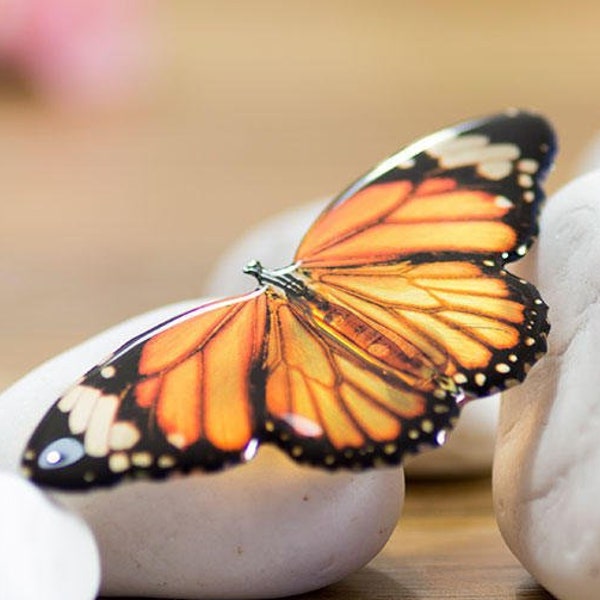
x: 45, y: 551
x: 469, y: 450
x: 265, y: 529
x: 547, y: 464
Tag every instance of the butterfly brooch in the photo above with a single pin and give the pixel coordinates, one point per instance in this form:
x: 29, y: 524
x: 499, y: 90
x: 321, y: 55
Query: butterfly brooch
x: 396, y: 310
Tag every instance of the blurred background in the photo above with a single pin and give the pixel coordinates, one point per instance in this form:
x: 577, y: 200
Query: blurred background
x: 139, y: 139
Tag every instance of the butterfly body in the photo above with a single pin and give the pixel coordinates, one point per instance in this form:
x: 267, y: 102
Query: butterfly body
x: 396, y: 309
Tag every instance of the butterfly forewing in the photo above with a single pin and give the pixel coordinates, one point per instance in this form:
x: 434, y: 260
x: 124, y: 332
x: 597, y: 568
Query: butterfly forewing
x: 472, y: 189
x: 176, y: 398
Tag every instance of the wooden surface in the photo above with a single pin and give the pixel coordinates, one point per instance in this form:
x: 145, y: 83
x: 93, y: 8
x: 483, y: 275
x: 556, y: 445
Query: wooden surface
x: 251, y: 108
x: 446, y: 546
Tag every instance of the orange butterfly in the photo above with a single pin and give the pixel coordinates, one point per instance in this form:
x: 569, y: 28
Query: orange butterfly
x: 396, y: 310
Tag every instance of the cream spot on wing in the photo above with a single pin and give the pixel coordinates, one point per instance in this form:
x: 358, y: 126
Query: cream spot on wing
x: 480, y: 379
x: 495, y: 170
x: 141, y: 459
x: 100, y: 423
x: 123, y: 436
x: 81, y: 413
x: 503, y: 202
x: 165, y: 461
x: 118, y: 462
x: 390, y: 448
x: 460, y: 378
x: 528, y: 165
x: 525, y: 180
x: 528, y: 196
x: 492, y: 161
x: 69, y: 400
x: 108, y: 372
x: 177, y: 439
x: 439, y: 394
x: 427, y: 426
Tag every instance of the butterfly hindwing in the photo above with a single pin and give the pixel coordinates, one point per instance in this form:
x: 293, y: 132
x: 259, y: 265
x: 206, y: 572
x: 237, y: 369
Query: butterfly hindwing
x: 327, y: 407
x: 470, y: 320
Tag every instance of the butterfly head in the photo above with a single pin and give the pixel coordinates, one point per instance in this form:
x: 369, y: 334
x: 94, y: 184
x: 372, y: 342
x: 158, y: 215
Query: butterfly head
x: 283, y: 279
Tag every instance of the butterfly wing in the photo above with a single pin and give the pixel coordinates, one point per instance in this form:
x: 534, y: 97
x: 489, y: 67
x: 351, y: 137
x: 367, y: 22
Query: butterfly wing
x: 468, y: 190
x: 468, y: 319
x: 326, y: 406
x: 176, y: 398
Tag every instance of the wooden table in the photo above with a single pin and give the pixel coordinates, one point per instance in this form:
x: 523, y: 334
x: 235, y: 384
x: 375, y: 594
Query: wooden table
x: 446, y: 546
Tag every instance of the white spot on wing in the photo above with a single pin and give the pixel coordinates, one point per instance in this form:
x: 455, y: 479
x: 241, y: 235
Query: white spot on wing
x: 68, y: 401
x: 97, y: 433
x: 525, y: 180
x: 177, y: 439
x: 528, y: 165
x: 118, y: 462
x: 108, y: 372
x: 503, y: 202
x: 141, y: 459
x: 123, y: 436
x: 492, y: 161
x: 496, y: 169
x: 82, y: 410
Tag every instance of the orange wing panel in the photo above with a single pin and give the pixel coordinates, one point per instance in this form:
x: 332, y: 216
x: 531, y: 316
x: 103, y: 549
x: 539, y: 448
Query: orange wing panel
x: 319, y: 396
x: 468, y: 320
x: 396, y: 221
x: 197, y: 374
x: 227, y: 395
x: 365, y: 209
